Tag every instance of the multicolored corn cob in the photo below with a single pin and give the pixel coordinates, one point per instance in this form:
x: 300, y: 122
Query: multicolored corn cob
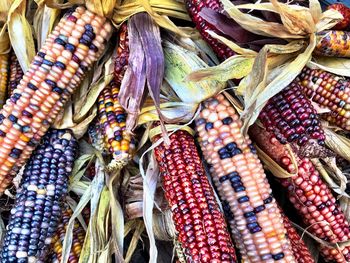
x: 122, y: 58
x: 58, y: 68
x: 112, y: 117
x: 194, y: 7
x: 333, y: 43
x: 240, y: 179
x: 310, y: 196
x: 16, y: 73
x: 328, y: 91
x: 57, y: 240
x: 4, y: 64
x: 201, y: 227
x: 38, y: 206
x: 345, y: 11
x: 300, y: 250
x: 292, y: 118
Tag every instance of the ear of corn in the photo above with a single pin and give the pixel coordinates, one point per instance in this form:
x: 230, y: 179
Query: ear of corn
x: 310, y: 196
x: 38, y: 206
x: 58, y: 68
x: 57, y: 240
x: 16, y: 74
x: 201, y: 228
x: 329, y: 91
x: 121, y: 61
x: 112, y: 119
x: 292, y: 118
x: 240, y: 178
x: 333, y: 43
x: 4, y: 63
x: 194, y: 7
x: 345, y: 11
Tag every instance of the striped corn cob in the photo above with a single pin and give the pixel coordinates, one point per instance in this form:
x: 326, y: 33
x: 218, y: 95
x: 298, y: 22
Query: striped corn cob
x: 112, y: 119
x: 310, y: 196
x: 240, y: 180
x: 333, y: 43
x: 200, y: 225
x: 16, y: 73
x: 69, y: 51
x: 292, y: 118
x: 38, y: 206
x: 194, y: 7
x: 121, y: 61
x: 329, y: 91
x: 300, y: 250
x: 57, y: 240
x: 4, y: 63
x: 345, y: 11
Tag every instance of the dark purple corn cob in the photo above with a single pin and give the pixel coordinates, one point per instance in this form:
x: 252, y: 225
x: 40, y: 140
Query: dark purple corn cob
x: 39, y: 200
x: 193, y: 8
x: 292, y: 118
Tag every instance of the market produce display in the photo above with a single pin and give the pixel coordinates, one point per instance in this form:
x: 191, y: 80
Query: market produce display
x: 174, y: 131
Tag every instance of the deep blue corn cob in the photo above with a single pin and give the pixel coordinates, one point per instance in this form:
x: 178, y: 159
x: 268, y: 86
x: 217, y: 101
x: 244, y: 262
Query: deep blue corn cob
x: 39, y: 200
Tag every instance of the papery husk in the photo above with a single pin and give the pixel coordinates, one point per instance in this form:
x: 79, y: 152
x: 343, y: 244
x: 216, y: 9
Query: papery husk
x: 5, y: 46
x: 345, y: 206
x: 138, y: 227
x: 338, y: 66
x: 337, y: 143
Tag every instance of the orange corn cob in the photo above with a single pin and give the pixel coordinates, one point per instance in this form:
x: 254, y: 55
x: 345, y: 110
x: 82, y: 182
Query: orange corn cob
x: 310, y: 196
x: 57, y: 241
x: 4, y: 59
x: 58, y: 68
x: 201, y: 227
x: 16, y: 74
x: 333, y: 43
x: 121, y: 61
x: 241, y: 181
x: 328, y: 91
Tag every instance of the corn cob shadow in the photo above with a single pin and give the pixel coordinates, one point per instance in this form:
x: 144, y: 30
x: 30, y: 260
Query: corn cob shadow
x: 58, y: 68
x: 4, y: 67
x: 16, y: 74
x: 38, y: 206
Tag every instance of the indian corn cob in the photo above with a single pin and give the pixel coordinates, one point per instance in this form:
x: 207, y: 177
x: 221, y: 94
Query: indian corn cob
x: 194, y: 7
x: 38, y: 206
x: 16, y: 73
x: 4, y: 63
x: 310, y: 196
x: 333, y: 43
x: 292, y: 118
x: 240, y: 180
x: 121, y: 60
x: 58, y: 68
x: 112, y: 119
x: 328, y: 91
x: 201, y: 227
x: 345, y: 11
x: 57, y: 240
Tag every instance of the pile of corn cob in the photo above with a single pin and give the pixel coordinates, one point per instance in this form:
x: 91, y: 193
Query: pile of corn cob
x: 276, y: 192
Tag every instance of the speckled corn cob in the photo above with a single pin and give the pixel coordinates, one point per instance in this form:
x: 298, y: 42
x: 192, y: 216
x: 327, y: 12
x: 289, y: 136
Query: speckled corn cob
x: 121, y: 61
x: 310, y: 196
x: 333, y: 43
x: 345, y: 11
x: 329, y: 91
x: 240, y: 179
x: 4, y: 63
x: 16, y: 74
x: 112, y: 119
x: 58, y: 68
x: 193, y: 8
x: 292, y: 118
x: 201, y: 227
x: 300, y: 250
x: 57, y: 241
x: 38, y: 206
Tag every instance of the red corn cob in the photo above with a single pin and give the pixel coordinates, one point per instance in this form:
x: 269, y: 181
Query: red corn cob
x: 310, y: 196
x: 194, y: 7
x: 201, y: 227
x: 121, y: 61
x: 292, y: 118
x: 345, y: 11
